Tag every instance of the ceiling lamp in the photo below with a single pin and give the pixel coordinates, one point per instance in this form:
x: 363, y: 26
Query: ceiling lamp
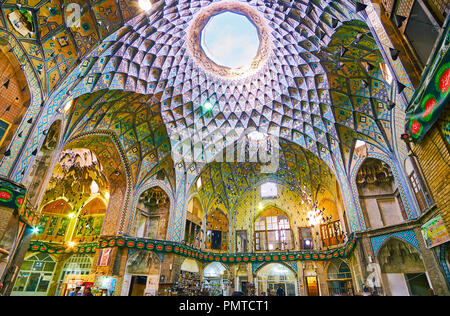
x: 315, y: 217
x: 145, y: 5
x: 94, y: 187
x: 207, y: 105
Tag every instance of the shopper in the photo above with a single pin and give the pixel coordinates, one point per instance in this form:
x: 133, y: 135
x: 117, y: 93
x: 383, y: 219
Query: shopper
x: 75, y: 292
x: 280, y: 291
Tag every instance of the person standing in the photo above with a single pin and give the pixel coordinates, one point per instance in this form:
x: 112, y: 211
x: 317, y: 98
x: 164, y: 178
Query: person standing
x: 280, y: 291
x: 75, y: 292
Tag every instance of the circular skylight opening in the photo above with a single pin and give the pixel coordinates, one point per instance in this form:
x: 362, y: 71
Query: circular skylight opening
x: 230, y: 40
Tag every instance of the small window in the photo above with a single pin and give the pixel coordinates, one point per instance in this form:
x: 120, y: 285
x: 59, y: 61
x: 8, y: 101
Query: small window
x: 269, y: 190
x: 199, y: 183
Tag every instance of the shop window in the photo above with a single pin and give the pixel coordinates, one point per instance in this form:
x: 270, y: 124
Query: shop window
x: 306, y: 238
x: 339, y: 279
x: 34, y: 276
x: 272, y: 231
x: 79, y: 264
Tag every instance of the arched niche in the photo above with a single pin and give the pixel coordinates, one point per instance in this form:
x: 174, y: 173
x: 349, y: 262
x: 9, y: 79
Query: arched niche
x: 217, y: 229
x: 114, y: 180
x: 152, y: 214
x: 273, y: 232
x: 331, y: 229
x: 36, y: 178
x: 276, y: 279
x: 402, y: 269
x: 379, y: 195
x: 79, y: 179
x: 216, y: 279
x: 339, y: 278
x: 90, y: 220
x: 194, y: 223
x: 142, y: 274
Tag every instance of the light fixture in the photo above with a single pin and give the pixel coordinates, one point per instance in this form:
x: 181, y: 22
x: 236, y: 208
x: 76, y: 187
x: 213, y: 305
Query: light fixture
x: 68, y: 106
x: 72, y: 244
x: 94, y: 187
x: 145, y: 5
x: 107, y: 196
x: 35, y: 230
x: 71, y: 215
x: 360, y: 143
x: 314, y: 217
x: 207, y: 105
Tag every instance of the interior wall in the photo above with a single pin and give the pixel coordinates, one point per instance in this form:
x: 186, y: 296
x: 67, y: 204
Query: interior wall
x: 14, y: 97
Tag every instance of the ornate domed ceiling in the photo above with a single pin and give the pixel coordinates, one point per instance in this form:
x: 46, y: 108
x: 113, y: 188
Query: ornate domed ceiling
x: 316, y: 81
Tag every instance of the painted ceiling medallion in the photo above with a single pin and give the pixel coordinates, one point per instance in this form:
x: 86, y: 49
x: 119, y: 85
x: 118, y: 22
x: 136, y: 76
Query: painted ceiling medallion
x: 211, y: 58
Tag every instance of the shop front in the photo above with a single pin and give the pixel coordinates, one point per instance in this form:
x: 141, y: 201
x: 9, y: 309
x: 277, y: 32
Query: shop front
x: 276, y: 279
x: 216, y: 280
x: 142, y: 274
x: 189, y: 283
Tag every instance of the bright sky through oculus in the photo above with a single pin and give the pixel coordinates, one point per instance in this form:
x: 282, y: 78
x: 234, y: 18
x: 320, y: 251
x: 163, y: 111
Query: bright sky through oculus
x: 230, y: 40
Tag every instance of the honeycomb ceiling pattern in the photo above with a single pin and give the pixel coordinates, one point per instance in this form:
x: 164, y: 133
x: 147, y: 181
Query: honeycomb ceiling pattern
x: 289, y: 97
x: 137, y: 122
x: 52, y: 46
x: 223, y: 184
x: 298, y: 94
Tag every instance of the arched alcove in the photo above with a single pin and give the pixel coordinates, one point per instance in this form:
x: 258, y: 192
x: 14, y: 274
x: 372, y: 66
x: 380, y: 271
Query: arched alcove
x: 276, y: 279
x: 339, y: 278
x: 14, y: 98
x: 152, y: 216
x: 379, y: 194
x: 402, y: 269
x: 217, y: 228
x: 142, y: 274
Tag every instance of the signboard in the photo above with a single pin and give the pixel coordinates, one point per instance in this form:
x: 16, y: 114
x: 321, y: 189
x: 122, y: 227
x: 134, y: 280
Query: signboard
x: 152, y: 285
x: 434, y: 232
